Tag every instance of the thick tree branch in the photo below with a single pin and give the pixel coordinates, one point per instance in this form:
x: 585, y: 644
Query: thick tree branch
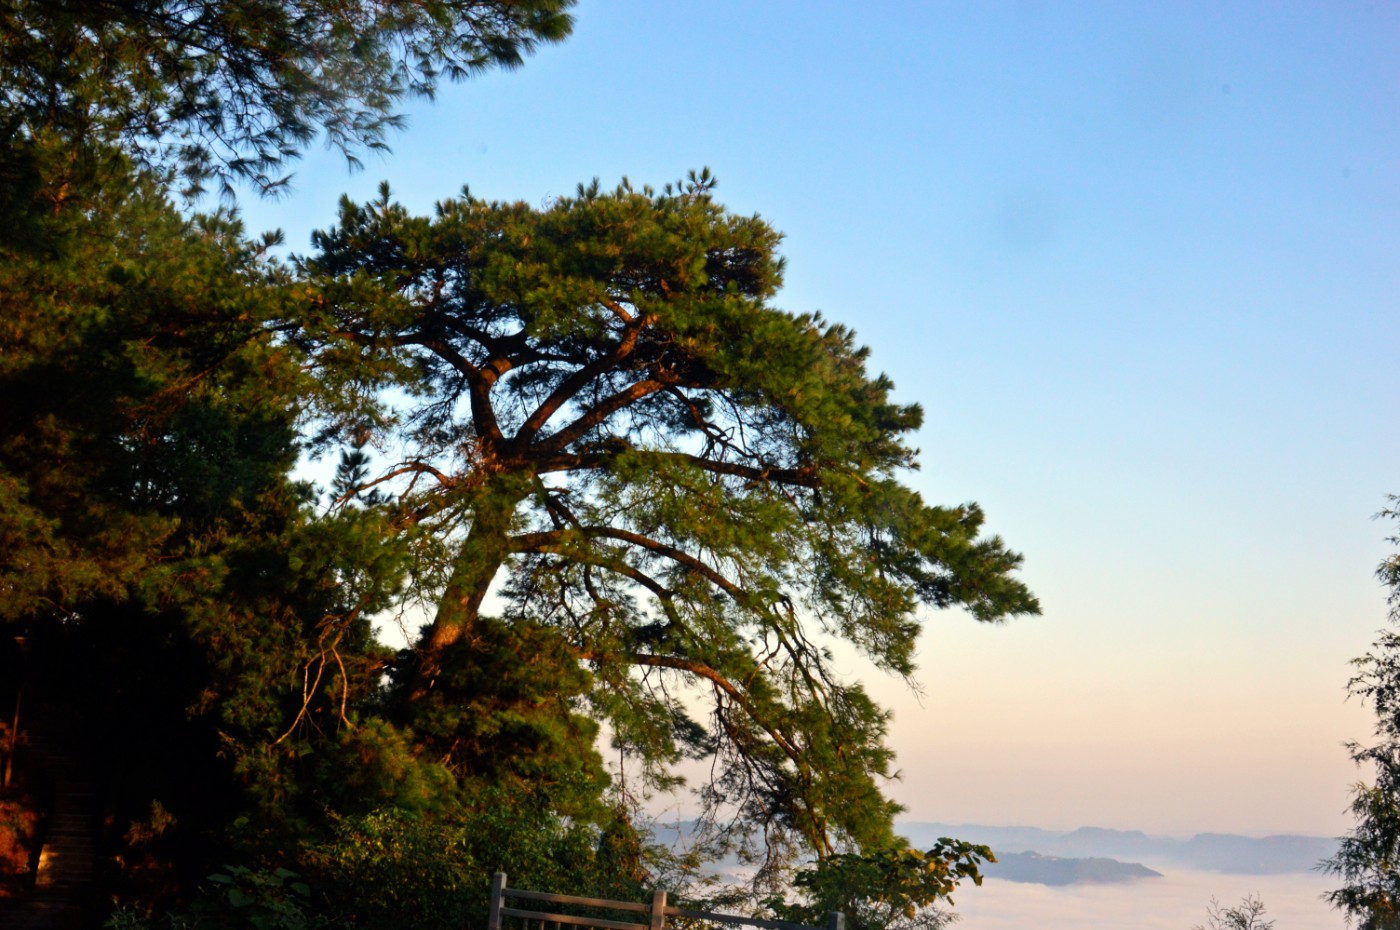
x: 576, y: 382
x: 620, y: 310
x: 514, y: 347
x: 601, y: 411
x: 479, y: 379
x: 678, y: 556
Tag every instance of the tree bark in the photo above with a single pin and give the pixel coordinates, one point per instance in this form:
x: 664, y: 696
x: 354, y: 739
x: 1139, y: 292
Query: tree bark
x: 478, y: 562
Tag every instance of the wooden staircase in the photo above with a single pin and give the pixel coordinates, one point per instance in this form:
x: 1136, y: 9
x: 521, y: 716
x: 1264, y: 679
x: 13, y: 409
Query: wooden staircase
x: 63, y: 888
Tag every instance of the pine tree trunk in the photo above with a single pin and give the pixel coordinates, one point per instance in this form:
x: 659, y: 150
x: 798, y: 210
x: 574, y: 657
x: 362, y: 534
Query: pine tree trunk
x: 486, y: 549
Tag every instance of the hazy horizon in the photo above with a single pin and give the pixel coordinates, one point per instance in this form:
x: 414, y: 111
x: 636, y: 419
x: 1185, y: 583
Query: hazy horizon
x: 1096, y: 826
x: 1176, y: 900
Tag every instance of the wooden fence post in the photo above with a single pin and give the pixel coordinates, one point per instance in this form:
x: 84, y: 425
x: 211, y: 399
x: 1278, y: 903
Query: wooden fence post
x: 658, y: 910
x: 498, y: 893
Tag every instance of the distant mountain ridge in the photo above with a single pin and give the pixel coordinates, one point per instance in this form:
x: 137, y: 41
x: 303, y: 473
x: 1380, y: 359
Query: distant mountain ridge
x: 1211, y: 852
x: 1053, y: 870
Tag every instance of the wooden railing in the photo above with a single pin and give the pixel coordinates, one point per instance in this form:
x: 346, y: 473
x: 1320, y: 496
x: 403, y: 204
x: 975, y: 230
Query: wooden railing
x: 656, y: 912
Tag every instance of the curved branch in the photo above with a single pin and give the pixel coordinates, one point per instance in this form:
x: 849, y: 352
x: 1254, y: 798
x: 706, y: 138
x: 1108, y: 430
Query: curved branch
x: 551, y: 540
x: 578, y: 380
x: 676, y: 555
x: 713, y: 675
x: 551, y: 543
x: 479, y: 381
x: 600, y: 412
x: 414, y: 468
x: 713, y: 433
x: 617, y: 308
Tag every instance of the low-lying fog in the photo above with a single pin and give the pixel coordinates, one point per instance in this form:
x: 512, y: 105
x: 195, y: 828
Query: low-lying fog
x: 1176, y: 901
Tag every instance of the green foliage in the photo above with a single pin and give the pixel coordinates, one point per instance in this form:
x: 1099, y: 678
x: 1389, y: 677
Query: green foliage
x: 239, y: 898
x: 145, y: 510
x: 145, y: 403
x: 232, y: 90
x: 502, y: 715
x: 892, y: 889
x: 1368, y: 858
x: 174, y: 590
x: 375, y: 765
x: 391, y: 868
x: 693, y: 489
x: 271, y: 900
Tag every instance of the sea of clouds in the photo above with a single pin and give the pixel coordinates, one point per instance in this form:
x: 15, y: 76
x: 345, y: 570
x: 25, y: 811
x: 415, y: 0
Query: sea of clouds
x: 1176, y: 901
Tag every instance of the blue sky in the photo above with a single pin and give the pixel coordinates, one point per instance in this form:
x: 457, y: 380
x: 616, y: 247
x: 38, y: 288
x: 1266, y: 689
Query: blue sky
x: 1139, y: 264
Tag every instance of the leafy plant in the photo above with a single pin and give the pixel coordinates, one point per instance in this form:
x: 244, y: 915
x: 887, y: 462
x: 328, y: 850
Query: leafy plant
x: 238, y: 898
x: 892, y: 889
x: 261, y: 900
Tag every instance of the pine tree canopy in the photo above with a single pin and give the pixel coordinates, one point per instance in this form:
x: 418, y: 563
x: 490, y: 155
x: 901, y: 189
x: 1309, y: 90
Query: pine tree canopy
x: 145, y: 403
x: 231, y: 90
x: 593, y: 412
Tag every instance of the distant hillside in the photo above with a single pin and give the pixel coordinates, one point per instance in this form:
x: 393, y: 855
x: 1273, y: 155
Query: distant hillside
x: 1052, y: 870
x: 1269, y: 855
x: 1213, y: 852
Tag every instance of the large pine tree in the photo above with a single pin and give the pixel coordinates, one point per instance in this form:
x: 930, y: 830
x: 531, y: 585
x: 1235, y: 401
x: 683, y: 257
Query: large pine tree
x: 596, y: 414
